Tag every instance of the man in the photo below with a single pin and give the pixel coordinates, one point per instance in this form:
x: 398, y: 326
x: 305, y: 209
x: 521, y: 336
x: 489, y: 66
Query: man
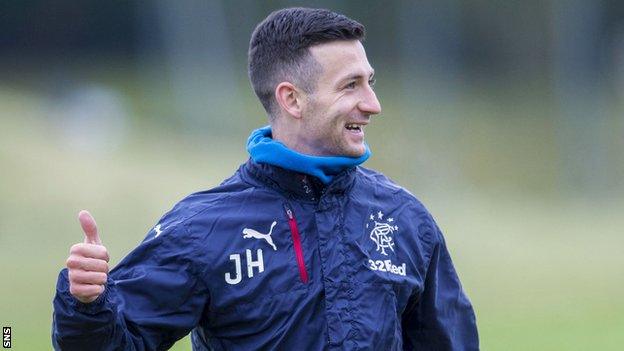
x: 301, y: 249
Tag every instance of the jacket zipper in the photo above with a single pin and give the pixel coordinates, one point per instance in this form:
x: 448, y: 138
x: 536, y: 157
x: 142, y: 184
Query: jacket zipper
x: 294, y: 231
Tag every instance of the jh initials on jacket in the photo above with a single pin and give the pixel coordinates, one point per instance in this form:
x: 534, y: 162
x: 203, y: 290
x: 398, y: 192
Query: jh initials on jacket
x: 251, y: 264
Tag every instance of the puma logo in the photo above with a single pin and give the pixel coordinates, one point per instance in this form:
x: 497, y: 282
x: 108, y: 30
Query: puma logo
x: 252, y: 233
x: 157, y: 230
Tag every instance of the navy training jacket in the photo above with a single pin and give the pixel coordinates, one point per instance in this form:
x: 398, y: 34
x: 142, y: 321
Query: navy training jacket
x: 273, y: 260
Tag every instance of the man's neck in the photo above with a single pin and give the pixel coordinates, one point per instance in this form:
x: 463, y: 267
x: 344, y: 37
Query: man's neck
x: 292, y: 139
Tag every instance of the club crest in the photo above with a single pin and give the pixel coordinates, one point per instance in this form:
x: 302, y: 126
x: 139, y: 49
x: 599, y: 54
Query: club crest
x: 381, y: 231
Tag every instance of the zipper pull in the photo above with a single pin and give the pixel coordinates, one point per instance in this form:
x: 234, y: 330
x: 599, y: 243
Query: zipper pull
x: 288, y: 211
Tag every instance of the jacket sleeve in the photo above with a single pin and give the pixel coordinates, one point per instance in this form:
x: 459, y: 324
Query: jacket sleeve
x: 440, y: 317
x: 152, y: 298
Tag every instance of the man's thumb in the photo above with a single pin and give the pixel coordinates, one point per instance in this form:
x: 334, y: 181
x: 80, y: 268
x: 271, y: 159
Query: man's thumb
x: 89, y: 228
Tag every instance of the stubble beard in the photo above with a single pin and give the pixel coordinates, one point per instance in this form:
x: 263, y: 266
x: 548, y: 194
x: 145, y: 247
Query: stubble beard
x: 330, y: 138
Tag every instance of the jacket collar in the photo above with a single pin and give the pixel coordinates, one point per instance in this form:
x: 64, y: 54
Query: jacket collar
x: 297, y: 185
x: 264, y: 149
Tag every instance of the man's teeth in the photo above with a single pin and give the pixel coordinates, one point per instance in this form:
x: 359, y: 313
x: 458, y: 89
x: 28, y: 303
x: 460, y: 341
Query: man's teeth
x: 354, y: 127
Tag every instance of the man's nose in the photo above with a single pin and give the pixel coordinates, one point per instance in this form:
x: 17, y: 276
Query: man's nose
x: 369, y: 103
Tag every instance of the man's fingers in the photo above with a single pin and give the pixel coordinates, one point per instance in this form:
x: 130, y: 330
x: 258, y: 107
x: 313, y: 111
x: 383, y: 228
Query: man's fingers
x: 90, y: 250
x: 86, y: 292
x: 77, y: 276
x: 89, y: 227
x: 87, y: 264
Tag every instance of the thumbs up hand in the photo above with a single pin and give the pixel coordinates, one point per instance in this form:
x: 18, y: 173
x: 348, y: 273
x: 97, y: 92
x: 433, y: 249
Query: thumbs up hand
x: 87, y: 263
x: 89, y: 227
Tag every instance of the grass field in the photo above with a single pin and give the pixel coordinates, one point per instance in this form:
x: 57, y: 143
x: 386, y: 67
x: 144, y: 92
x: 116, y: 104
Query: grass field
x: 543, y: 273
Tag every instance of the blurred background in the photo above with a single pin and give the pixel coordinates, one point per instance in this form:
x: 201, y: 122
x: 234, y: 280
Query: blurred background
x: 505, y: 118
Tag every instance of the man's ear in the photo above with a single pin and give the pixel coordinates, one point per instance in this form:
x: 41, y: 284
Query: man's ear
x: 289, y: 98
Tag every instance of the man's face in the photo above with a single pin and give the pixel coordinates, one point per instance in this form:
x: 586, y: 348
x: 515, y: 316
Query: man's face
x: 335, y: 114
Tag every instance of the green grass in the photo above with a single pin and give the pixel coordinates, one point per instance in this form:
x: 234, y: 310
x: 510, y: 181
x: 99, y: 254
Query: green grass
x: 542, y: 276
x: 543, y: 272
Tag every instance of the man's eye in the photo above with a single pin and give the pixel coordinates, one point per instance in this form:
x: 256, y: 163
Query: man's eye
x: 372, y: 82
x: 350, y: 85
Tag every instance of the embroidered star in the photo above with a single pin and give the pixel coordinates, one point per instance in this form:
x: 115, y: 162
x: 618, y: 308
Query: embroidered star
x: 372, y: 218
x: 380, y: 215
x: 390, y: 219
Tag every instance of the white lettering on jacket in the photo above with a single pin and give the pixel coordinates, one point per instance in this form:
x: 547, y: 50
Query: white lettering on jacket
x: 387, y: 266
x: 251, y: 264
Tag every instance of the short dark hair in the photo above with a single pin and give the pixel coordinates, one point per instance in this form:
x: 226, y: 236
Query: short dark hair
x: 278, y: 50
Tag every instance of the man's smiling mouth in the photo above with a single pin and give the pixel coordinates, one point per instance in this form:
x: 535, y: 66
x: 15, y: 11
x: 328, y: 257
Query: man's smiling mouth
x: 355, y: 127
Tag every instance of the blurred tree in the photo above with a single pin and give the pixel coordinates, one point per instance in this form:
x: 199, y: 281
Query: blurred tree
x: 197, y: 49
x: 580, y: 90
